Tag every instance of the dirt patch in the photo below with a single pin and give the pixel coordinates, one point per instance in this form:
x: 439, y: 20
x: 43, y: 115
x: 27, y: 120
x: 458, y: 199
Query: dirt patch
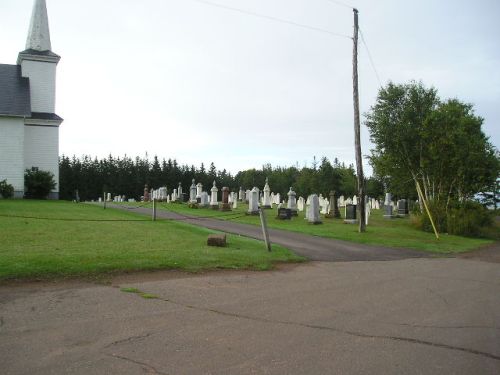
x: 116, y: 279
x: 489, y: 253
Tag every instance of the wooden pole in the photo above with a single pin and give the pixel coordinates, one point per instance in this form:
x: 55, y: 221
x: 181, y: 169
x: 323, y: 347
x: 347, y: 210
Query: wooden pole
x: 421, y: 196
x: 104, y: 200
x: 154, y: 209
x: 265, y: 232
x: 357, y: 137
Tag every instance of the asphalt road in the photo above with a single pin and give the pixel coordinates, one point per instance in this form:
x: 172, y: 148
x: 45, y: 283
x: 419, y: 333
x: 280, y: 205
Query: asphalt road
x: 413, y: 316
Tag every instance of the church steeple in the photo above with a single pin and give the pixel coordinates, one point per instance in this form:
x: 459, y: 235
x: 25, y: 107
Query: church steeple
x: 38, y: 34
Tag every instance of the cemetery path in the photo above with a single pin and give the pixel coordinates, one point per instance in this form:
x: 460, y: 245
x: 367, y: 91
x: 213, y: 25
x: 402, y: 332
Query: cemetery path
x: 312, y: 247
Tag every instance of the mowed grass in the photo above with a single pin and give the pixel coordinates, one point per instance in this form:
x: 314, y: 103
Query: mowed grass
x: 396, y: 233
x: 74, y: 240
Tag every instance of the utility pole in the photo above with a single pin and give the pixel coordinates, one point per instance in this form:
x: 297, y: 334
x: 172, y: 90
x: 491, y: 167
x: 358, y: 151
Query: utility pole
x: 357, y: 138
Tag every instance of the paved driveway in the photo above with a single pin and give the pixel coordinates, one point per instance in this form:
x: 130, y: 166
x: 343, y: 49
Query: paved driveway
x: 413, y: 316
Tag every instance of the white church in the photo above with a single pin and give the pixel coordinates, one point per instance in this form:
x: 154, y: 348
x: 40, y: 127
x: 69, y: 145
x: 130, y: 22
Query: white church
x: 29, y: 127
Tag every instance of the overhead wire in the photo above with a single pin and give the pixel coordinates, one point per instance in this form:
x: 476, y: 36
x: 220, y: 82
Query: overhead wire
x: 340, y: 3
x: 370, y: 58
x: 272, y: 18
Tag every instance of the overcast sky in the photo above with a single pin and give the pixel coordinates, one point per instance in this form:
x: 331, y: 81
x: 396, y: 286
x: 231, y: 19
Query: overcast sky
x: 187, y: 80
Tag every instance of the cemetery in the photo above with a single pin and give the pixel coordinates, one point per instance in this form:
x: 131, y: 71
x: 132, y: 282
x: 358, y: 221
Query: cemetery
x: 388, y: 221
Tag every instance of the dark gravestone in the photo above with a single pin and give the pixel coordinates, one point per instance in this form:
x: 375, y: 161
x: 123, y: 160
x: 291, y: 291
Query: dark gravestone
x: 218, y: 240
x: 225, y: 206
x: 402, y: 207
x: 334, y: 209
x: 284, y: 214
x: 350, y: 215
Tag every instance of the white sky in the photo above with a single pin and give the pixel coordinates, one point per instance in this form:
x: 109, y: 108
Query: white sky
x: 185, y: 80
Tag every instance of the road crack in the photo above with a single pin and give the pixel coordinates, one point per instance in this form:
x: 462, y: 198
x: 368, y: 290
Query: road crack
x: 128, y: 339
x: 334, y: 329
x: 145, y: 366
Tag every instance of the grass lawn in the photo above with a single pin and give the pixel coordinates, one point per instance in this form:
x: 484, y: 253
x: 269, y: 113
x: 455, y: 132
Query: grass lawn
x: 89, y: 241
x: 391, y: 233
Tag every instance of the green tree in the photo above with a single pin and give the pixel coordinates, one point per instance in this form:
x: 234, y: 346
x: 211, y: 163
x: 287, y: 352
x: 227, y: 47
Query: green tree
x: 439, y: 145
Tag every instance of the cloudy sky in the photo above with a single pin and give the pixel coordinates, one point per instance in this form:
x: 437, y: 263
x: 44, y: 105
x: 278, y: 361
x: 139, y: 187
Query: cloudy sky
x: 189, y: 80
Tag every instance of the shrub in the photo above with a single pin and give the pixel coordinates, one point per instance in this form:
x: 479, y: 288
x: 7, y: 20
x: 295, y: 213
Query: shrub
x: 6, y: 190
x: 465, y: 219
x: 38, y: 183
x: 438, y: 212
x: 469, y: 219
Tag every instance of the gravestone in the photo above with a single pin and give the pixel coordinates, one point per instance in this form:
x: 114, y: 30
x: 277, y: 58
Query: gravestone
x: 241, y: 194
x: 225, y: 206
x: 235, y: 200
x: 333, y: 211
x: 253, y: 202
x: 218, y: 240
x: 180, y: 193
x: 277, y: 198
x: 192, y: 193
x: 403, y: 208
x: 247, y: 196
x: 292, y: 202
x: 199, y: 190
x: 300, y: 204
x: 313, y: 210
x: 284, y: 214
x: 214, y: 204
x: 267, y: 195
x: 368, y: 211
x: 388, y: 206
x: 204, y: 201
x: 146, y: 194
x: 350, y: 214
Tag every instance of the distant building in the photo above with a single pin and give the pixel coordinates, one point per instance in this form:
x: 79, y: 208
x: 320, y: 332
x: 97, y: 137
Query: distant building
x: 29, y: 127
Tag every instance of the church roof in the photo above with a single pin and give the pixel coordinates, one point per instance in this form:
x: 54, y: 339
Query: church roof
x: 45, y: 116
x: 15, y: 92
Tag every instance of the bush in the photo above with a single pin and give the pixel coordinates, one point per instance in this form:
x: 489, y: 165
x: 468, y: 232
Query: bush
x: 469, y: 219
x: 438, y: 212
x: 6, y: 190
x: 465, y: 219
x: 38, y: 183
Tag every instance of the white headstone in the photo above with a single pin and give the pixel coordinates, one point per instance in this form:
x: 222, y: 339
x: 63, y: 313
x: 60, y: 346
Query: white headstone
x: 204, y: 199
x: 300, y: 204
x: 213, y: 196
x: 292, y: 201
x: 199, y: 189
x: 267, y: 195
x: 253, y: 201
x: 313, y: 210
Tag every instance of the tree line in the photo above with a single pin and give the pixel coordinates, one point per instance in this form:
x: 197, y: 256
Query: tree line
x: 127, y: 176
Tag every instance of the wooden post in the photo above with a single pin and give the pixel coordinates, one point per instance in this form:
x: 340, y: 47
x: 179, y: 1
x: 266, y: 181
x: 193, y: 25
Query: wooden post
x: 357, y: 138
x: 421, y: 197
x: 154, y: 209
x: 104, y: 200
x: 265, y: 232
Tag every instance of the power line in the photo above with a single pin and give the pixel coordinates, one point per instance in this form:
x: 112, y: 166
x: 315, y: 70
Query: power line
x: 340, y: 3
x: 271, y: 18
x: 370, y: 58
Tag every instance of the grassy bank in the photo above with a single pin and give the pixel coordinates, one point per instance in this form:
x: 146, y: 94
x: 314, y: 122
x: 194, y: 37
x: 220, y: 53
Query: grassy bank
x: 47, y: 239
x: 397, y: 233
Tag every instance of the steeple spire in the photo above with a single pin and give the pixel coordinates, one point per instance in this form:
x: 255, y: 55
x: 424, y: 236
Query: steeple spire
x: 38, y: 34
